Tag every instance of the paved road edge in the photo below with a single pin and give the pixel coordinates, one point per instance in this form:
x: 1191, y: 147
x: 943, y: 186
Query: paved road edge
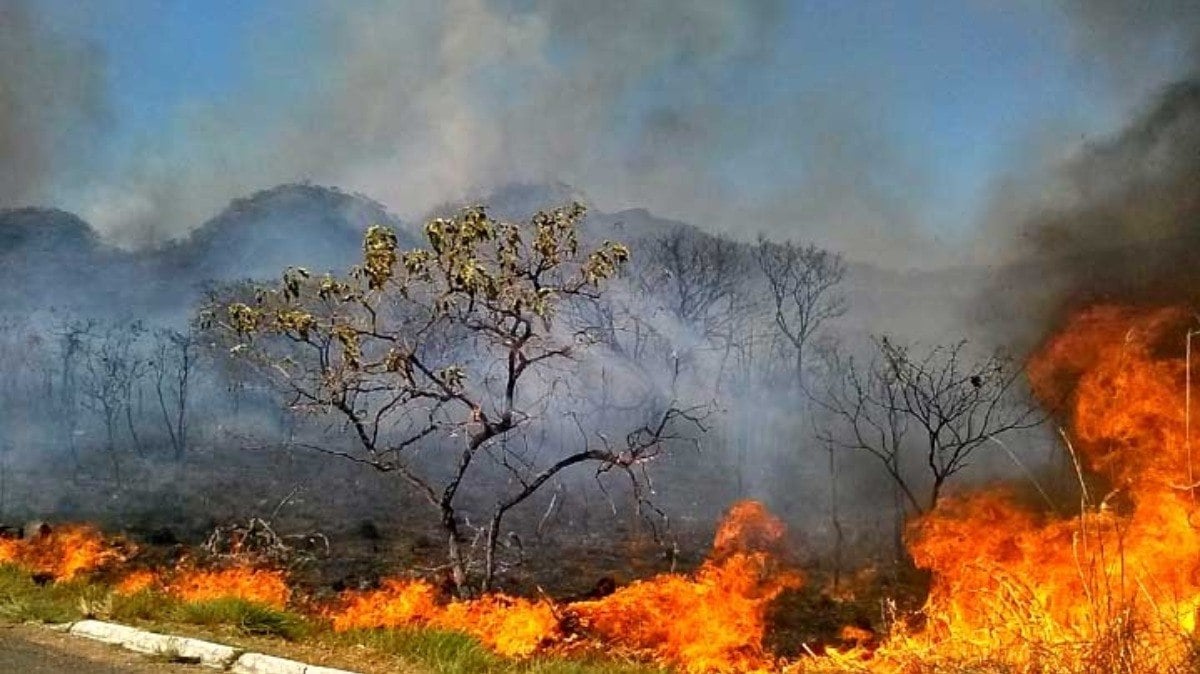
x: 186, y: 649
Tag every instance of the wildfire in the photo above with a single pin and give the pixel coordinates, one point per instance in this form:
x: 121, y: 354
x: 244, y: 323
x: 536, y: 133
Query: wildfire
x: 398, y: 603
x: 1112, y: 586
x: 60, y: 554
x: 712, y: 620
x: 137, y: 581
x: 263, y: 586
x: 1115, y: 587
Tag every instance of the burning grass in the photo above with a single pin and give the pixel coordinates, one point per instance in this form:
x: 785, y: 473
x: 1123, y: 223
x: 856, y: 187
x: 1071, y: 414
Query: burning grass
x: 711, y: 620
x: 62, y: 553
x: 1115, y: 588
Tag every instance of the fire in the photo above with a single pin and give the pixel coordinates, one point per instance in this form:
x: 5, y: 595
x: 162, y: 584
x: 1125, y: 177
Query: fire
x: 1115, y: 587
x: 68, y: 551
x: 62, y: 553
x: 398, y: 603
x: 1112, y: 586
x: 511, y: 626
x: 137, y: 581
x: 712, y: 620
x: 508, y: 625
x: 263, y: 586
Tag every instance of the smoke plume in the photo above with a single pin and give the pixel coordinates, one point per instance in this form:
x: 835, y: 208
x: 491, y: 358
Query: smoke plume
x: 51, y: 98
x: 421, y: 104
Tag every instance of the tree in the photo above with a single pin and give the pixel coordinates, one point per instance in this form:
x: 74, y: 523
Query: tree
x: 435, y: 357
x: 111, y: 371
x: 702, y: 281
x: 72, y: 337
x: 941, y: 405
x: 802, y: 286
x: 174, y: 358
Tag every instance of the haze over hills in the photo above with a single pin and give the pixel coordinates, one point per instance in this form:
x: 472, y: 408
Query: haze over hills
x: 58, y: 262
x: 54, y: 259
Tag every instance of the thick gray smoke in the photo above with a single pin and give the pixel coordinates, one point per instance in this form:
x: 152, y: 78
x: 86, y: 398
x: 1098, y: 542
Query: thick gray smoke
x: 1115, y: 218
x: 1117, y: 222
x: 51, y: 100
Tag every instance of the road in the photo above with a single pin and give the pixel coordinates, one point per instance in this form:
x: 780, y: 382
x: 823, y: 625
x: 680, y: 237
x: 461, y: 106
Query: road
x: 36, y: 650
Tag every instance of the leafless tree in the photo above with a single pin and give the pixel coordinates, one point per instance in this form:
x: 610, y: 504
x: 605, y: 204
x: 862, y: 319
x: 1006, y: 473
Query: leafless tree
x: 802, y: 285
x: 941, y: 405
x: 72, y: 336
x: 455, y: 344
x: 696, y: 276
x: 704, y: 283
x: 111, y: 371
x: 172, y: 364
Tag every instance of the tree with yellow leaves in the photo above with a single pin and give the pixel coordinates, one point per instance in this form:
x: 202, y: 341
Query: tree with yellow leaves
x: 419, y: 350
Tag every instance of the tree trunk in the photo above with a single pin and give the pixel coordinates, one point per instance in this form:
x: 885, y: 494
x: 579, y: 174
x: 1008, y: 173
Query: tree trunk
x: 110, y: 429
x: 800, y: 367
x: 137, y: 442
x: 839, y: 540
x: 489, y: 560
x: 458, y: 565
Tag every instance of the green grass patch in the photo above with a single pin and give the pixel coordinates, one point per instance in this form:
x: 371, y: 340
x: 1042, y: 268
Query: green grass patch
x: 147, y: 605
x: 589, y: 666
x: 22, y: 599
x: 448, y: 652
x: 247, y: 617
x: 441, y: 651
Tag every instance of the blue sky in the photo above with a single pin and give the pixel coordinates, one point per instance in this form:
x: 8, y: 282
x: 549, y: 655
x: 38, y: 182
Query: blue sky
x: 922, y: 103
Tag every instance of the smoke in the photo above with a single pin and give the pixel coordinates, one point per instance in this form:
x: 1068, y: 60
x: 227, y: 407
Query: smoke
x: 1112, y: 218
x: 635, y: 103
x: 51, y: 97
x: 423, y: 103
x: 1136, y: 45
x: 1117, y: 221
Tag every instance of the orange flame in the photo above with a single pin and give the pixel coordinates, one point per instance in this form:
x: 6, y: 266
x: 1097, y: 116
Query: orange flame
x: 398, y: 603
x: 1115, y: 587
x: 64, y: 553
x: 712, y: 620
x: 263, y: 586
x: 137, y: 581
x: 510, y: 626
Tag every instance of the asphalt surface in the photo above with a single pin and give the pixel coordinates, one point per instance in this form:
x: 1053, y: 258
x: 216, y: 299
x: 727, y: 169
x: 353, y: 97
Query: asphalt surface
x: 37, y: 650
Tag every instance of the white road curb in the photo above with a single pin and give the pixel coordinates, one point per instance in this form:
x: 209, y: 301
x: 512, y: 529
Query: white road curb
x: 218, y: 656
x: 257, y: 663
x: 203, y: 652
